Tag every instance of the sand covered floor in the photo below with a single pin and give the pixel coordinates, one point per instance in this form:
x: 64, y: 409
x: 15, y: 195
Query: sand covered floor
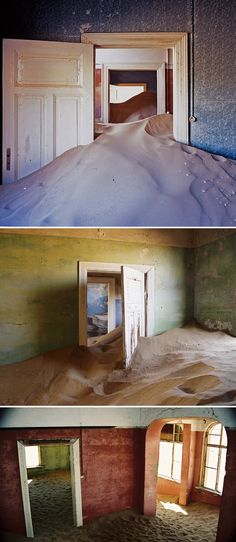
x: 134, y: 174
x: 199, y: 525
x: 183, y: 366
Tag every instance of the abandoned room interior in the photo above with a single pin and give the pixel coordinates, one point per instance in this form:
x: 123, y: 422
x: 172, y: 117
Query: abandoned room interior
x: 118, y: 316
x: 141, y: 84
x: 168, y: 475
x: 118, y: 271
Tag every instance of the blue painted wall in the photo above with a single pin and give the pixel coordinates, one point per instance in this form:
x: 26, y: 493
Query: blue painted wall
x: 211, y: 23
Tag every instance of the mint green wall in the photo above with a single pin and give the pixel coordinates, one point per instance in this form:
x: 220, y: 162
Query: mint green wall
x: 215, y: 284
x: 38, y: 304
x: 55, y: 457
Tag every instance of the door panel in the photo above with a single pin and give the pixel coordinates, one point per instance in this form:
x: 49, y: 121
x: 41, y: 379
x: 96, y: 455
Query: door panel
x: 47, y: 102
x: 133, y: 310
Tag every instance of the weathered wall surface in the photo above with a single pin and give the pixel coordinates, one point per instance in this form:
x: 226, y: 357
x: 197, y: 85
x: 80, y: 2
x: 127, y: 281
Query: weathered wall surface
x: 117, y: 486
x: 214, y: 76
x: 215, y: 285
x: 212, y: 25
x: 38, y: 306
x: 55, y: 457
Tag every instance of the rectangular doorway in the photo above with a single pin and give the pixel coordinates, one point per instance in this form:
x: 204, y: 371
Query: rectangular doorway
x: 50, y: 484
x: 113, y: 295
x: 49, y: 89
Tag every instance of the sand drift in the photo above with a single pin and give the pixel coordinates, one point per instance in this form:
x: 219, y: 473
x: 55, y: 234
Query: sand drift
x: 134, y: 174
x: 183, y: 366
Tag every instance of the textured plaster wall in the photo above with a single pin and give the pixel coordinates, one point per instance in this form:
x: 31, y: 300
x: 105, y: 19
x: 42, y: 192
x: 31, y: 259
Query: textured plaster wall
x: 38, y: 305
x: 118, y: 486
x: 210, y: 23
x: 214, y: 76
x: 55, y: 457
x: 215, y: 284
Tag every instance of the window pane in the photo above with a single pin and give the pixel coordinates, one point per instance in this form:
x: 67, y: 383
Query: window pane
x: 222, y: 470
x: 165, y: 459
x: 210, y: 478
x: 176, y: 473
x: 214, y: 439
x: 32, y: 456
x: 178, y: 452
x: 216, y: 429
x: 212, y: 457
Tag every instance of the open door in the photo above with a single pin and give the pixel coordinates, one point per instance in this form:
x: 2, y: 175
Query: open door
x: 76, y: 483
x: 47, y: 102
x: 133, y: 310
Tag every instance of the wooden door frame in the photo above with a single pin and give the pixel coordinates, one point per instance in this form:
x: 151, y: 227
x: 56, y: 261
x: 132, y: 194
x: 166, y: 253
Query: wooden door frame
x: 178, y: 41
x: 75, y: 483
x: 107, y: 267
x: 139, y: 66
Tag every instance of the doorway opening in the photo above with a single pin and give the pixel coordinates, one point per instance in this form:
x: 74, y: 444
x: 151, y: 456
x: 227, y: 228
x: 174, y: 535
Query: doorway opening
x: 132, y: 84
x: 115, y: 296
x: 190, y: 464
x: 50, y: 482
x: 166, y: 53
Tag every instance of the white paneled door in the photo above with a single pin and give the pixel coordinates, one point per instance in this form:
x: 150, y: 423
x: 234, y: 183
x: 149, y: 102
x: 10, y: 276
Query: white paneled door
x: 133, y: 310
x: 47, y: 102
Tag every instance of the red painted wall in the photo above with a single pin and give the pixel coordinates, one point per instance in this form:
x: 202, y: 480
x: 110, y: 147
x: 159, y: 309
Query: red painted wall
x: 112, y: 462
x: 167, y: 487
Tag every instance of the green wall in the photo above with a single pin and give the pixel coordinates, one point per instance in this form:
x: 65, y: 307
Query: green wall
x: 38, y: 305
x: 55, y: 457
x: 215, y: 284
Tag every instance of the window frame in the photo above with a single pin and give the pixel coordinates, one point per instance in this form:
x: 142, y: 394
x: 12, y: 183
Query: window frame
x: 173, y: 442
x: 220, y: 447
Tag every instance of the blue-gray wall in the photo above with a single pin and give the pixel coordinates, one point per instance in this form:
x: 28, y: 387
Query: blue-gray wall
x: 210, y: 23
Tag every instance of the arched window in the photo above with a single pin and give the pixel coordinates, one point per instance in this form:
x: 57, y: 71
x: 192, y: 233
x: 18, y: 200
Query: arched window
x: 170, y: 451
x: 213, y: 471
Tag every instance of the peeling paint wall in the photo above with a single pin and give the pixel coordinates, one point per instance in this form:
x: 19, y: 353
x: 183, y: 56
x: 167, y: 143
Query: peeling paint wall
x: 38, y: 304
x: 211, y: 24
x: 215, y: 285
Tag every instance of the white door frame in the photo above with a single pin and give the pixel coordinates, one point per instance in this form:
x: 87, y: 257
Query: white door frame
x: 178, y: 41
x: 75, y: 483
x: 106, y: 267
x: 158, y: 67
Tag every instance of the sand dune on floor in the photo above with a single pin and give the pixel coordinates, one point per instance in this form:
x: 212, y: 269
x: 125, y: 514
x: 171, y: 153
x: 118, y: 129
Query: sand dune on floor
x: 134, y: 174
x: 196, y: 522
x: 136, y: 108
x: 183, y: 366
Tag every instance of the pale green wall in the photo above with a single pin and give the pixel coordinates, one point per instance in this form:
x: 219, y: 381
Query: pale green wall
x: 38, y: 305
x: 55, y: 457
x: 215, y: 284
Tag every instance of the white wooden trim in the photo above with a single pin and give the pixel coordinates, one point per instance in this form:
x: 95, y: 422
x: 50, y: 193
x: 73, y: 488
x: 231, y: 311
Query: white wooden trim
x: 25, y: 489
x: 126, y: 66
x: 150, y: 290
x: 176, y: 40
x: 161, y: 89
x: 106, y: 267
x: 76, y: 482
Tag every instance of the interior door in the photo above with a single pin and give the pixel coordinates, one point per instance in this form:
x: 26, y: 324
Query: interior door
x: 133, y: 310
x: 47, y: 102
x: 76, y: 483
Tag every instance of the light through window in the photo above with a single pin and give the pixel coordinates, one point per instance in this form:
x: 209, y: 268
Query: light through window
x: 32, y: 456
x: 215, y: 458
x: 170, y: 452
